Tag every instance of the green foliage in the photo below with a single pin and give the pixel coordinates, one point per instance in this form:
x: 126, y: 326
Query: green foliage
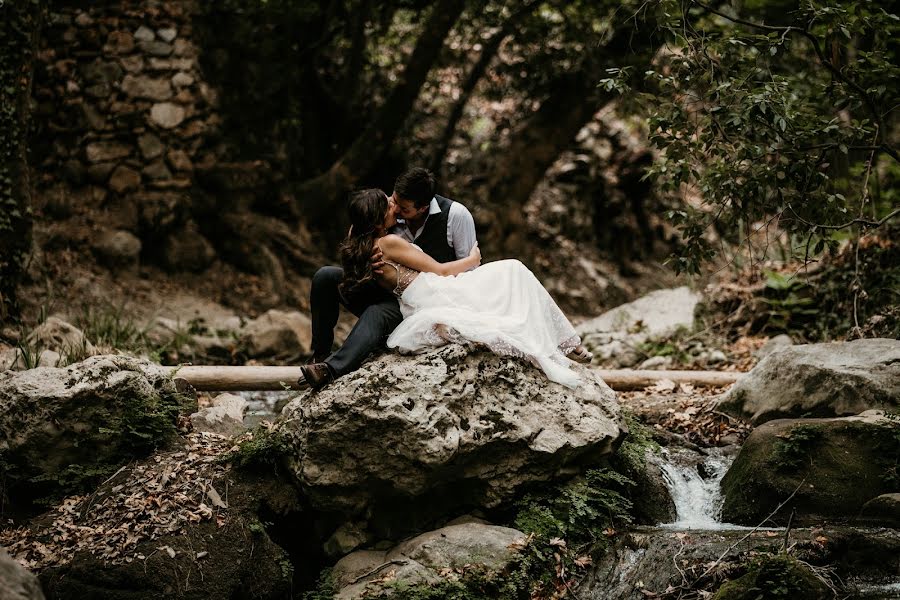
x: 632, y: 452
x: 579, y: 511
x: 774, y: 576
x: 787, y: 122
x: 789, y: 302
x: 324, y: 589
x: 791, y: 451
x: 261, y: 447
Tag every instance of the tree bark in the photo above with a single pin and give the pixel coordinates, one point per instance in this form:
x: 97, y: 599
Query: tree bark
x: 18, y: 41
x: 316, y: 198
x: 261, y: 378
x: 489, y: 50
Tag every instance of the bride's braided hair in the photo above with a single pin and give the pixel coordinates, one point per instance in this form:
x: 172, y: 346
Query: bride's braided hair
x: 367, y: 211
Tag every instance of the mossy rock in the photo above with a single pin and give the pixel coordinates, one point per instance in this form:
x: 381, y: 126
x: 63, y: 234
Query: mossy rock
x: 778, y: 576
x: 832, y: 466
x: 63, y: 430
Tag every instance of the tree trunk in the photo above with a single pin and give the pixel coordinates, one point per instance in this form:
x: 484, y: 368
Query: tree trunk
x: 317, y: 197
x: 18, y: 41
x: 478, y: 70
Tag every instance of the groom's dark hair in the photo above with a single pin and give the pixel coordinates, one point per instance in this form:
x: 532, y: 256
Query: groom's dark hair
x: 416, y: 184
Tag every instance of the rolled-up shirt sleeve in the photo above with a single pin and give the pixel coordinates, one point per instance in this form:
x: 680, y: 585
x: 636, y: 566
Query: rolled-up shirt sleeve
x: 460, y: 230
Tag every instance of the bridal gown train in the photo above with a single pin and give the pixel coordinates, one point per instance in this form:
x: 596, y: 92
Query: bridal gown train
x: 500, y: 304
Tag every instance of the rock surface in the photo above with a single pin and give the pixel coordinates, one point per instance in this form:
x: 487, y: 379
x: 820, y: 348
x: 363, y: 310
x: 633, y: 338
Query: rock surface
x: 60, y: 336
x: 224, y: 417
x: 819, y: 380
x: 15, y: 582
x: 278, y: 333
x: 831, y: 466
x: 62, y: 428
x: 614, y: 335
x: 404, y: 440
x: 421, y: 559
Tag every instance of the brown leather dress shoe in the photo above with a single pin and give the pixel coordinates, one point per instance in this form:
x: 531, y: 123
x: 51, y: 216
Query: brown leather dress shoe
x: 315, y: 376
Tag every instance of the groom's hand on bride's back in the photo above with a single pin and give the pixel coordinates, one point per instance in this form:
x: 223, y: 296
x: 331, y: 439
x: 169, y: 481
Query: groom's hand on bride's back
x: 378, y: 261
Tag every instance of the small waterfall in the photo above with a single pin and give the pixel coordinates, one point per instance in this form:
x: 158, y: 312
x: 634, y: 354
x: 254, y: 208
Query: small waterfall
x: 693, y: 480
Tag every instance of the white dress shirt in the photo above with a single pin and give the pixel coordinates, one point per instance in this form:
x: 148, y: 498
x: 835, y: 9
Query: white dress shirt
x: 460, y: 228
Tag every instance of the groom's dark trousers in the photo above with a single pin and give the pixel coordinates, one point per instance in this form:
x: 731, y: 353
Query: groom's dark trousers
x: 378, y: 312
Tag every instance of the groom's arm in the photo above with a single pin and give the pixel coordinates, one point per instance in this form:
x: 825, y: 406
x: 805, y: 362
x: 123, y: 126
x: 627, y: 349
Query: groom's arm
x: 460, y: 230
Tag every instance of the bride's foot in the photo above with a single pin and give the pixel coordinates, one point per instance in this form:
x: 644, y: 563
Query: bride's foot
x: 581, y: 354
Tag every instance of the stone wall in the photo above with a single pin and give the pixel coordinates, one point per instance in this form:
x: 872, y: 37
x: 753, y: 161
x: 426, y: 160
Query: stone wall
x: 124, y: 117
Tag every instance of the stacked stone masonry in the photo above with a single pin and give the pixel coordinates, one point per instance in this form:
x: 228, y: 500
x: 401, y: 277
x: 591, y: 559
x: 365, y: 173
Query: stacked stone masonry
x: 123, y: 112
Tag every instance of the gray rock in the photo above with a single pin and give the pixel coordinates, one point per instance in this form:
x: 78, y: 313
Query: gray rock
x: 71, y: 426
x: 347, y: 538
x: 167, y: 34
x: 144, y: 34
x: 613, y: 335
x: 405, y: 440
x: 656, y: 362
x: 829, y: 468
x: 147, y: 88
x: 124, y: 179
x: 819, y: 380
x: 224, y: 417
x: 181, y: 80
x: 773, y: 344
x: 167, y: 115
x: 106, y: 151
x: 278, y: 333
x: 56, y: 334
x: 15, y: 582
x: 421, y: 559
x: 155, y: 48
x: 151, y: 146
x: 118, y: 248
x: 883, y: 510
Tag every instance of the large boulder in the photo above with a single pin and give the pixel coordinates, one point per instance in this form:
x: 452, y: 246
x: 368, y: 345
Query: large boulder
x: 404, y: 441
x: 424, y: 558
x: 614, y: 335
x: 63, y: 428
x: 278, y: 333
x: 819, y: 380
x: 15, y: 582
x: 224, y: 417
x: 820, y: 468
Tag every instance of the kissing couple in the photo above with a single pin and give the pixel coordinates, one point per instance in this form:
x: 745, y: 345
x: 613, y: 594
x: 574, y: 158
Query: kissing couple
x: 411, y: 271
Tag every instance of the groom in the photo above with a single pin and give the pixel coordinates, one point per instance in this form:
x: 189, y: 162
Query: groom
x: 441, y: 227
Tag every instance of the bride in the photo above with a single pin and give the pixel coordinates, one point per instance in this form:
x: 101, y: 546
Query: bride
x: 500, y: 304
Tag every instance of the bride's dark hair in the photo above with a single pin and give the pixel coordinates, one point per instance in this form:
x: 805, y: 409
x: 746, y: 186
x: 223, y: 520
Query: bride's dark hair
x: 367, y: 211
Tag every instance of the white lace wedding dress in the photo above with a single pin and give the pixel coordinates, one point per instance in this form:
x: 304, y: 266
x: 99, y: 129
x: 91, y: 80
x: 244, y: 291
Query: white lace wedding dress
x: 500, y: 304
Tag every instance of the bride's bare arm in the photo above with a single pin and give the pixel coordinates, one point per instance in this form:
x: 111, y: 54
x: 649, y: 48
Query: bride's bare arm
x: 400, y: 251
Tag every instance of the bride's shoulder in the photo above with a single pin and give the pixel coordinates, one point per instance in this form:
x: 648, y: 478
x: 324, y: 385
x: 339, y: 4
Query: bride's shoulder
x: 391, y: 240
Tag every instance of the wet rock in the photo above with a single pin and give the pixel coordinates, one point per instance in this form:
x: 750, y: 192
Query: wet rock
x: 883, y: 510
x: 773, y: 576
x: 819, y: 380
x: 831, y: 466
x: 63, y: 428
x: 403, y: 440
x: 614, y: 335
x: 421, y: 559
x: 278, y: 333
x: 17, y: 583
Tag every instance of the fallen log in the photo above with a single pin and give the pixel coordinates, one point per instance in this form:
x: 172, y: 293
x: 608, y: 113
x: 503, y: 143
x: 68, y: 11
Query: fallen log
x: 261, y: 378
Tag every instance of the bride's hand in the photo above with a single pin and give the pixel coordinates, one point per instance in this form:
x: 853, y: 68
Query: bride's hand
x: 475, y: 253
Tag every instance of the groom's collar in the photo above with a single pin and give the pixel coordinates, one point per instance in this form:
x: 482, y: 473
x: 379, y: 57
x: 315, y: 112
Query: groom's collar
x: 433, y: 209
